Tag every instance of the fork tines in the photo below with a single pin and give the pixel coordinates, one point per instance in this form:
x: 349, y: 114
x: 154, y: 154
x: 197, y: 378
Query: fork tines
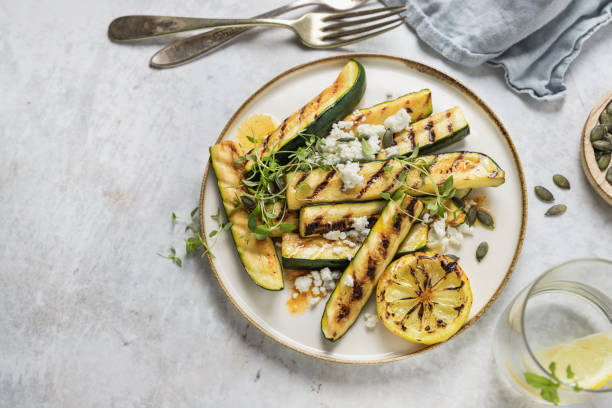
x: 347, y: 19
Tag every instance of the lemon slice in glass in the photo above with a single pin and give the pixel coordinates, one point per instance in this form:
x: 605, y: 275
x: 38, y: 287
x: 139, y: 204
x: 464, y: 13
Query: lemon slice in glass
x: 590, y: 359
x: 424, y: 297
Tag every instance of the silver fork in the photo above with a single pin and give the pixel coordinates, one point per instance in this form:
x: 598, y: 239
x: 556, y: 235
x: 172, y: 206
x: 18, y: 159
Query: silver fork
x: 196, y: 46
x: 315, y: 30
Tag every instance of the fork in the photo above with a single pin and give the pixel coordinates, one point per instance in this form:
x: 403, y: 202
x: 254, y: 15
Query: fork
x: 196, y: 46
x: 315, y: 30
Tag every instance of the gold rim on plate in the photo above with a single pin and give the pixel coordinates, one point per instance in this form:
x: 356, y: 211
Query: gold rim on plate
x: 416, y: 66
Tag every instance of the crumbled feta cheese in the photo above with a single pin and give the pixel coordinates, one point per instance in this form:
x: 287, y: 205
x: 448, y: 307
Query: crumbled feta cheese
x: 465, y: 229
x: 337, y: 251
x: 398, y: 122
x: 345, y: 124
x: 335, y: 235
x: 360, y: 229
x: 303, y: 283
x: 326, y: 274
x: 330, y: 284
x: 370, y: 320
x: 314, y: 300
x: 350, y: 175
x: 336, y: 275
x: 439, y: 227
x: 278, y: 244
x: 335, y: 151
x: 455, y: 238
x: 316, y: 278
x: 371, y: 131
x: 349, y: 243
x: 349, y: 257
x: 426, y: 218
x: 392, y: 151
x: 315, y: 290
x: 348, y: 281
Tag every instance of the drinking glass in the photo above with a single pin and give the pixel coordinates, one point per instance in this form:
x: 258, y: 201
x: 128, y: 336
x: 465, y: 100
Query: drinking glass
x: 568, y: 302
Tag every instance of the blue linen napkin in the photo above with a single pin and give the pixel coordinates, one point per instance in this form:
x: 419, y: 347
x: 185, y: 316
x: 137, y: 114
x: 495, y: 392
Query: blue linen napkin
x: 533, y: 40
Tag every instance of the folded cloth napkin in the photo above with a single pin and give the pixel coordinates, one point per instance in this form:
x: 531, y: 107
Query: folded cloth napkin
x: 533, y: 40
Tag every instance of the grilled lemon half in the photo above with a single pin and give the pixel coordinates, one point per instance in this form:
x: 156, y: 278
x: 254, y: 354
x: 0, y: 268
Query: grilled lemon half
x: 424, y: 297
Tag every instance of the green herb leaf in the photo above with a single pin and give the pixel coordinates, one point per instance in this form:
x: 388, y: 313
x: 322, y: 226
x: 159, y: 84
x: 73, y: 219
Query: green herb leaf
x: 414, y: 153
x: 303, y: 185
x: 385, y: 196
x: 366, y: 148
x: 538, y: 381
x: 287, y: 227
x: 568, y: 371
x: 194, y: 211
x: 239, y: 159
x: 261, y: 236
x: 217, y: 215
x: 174, y: 217
x: 262, y: 229
x: 401, y: 178
x: 397, y: 195
x: 550, y: 394
x: 552, y: 367
x: 447, y: 186
x: 192, y: 244
x: 213, y: 233
x: 388, y: 168
x: 227, y: 226
x: 251, y: 139
x: 252, y: 223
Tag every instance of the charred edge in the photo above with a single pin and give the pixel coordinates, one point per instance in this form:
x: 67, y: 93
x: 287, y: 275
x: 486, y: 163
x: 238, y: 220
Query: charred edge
x: 324, y: 183
x: 302, y: 178
x: 494, y: 174
x: 449, y: 267
x: 421, y: 311
x: 371, y: 180
x: 459, y: 308
x: 428, y: 98
x: 301, y: 114
x: 343, y: 312
x: 457, y: 161
x: 427, y: 328
x: 357, y: 292
x: 408, y: 313
x: 397, y: 224
x: 390, y: 186
x: 456, y: 287
x: 429, y: 128
x: 411, y: 206
x: 385, y: 242
x: 448, y: 114
x: 441, y: 323
x: 372, y: 220
x: 411, y: 138
x: 371, y: 271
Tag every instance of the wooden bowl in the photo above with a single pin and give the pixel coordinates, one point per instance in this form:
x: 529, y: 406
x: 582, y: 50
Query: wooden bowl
x: 596, y: 177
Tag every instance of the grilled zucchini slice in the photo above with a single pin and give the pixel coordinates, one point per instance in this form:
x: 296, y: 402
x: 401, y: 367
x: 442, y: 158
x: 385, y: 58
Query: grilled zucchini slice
x: 417, y: 104
x: 469, y: 170
x: 315, y: 252
x: 320, y: 219
x: 416, y: 239
x: 359, y: 278
x: 257, y: 256
x: 317, y: 116
x: 437, y: 131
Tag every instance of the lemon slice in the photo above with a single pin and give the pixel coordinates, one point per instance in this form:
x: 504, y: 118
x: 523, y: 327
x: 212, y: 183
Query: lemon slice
x: 589, y: 357
x: 424, y: 297
x: 257, y: 126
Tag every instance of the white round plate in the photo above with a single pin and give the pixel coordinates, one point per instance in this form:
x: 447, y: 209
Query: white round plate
x: 286, y: 93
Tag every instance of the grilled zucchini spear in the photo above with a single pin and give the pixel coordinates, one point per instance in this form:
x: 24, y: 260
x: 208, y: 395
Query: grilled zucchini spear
x: 469, y: 170
x: 360, y: 277
x: 257, y: 256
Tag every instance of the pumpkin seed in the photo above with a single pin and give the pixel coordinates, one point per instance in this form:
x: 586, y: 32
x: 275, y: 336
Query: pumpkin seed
x: 458, y: 202
x: 346, y: 139
x: 471, y: 215
x: 609, y: 176
x: 603, y: 145
x: 485, y: 218
x: 604, y: 161
x: 609, y: 108
x: 482, y: 250
x: 605, y: 117
x: 453, y: 257
x: 561, y: 181
x: 387, y: 139
x: 543, y: 194
x: 556, y: 209
x: 248, y: 202
x: 281, y: 183
x: 598, y: 132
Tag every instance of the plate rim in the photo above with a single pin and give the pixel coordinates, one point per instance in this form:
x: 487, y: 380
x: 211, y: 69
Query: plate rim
x: 422, y: 68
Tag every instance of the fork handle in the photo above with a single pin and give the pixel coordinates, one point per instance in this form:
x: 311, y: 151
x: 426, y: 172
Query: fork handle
x: 188, y: 49
x: 129, y: 28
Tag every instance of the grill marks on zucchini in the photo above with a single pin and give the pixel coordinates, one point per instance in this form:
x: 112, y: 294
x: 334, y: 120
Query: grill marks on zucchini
x: 314, y: 252
x: 319, y: 219
x: 257, y: 256
x: 379, y: 248
x: 440, y: 129
x: 469, y: 170
x: 318, y: 115
x: 417, y: 104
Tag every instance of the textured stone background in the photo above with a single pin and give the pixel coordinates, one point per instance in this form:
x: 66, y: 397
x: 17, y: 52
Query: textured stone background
x: 98, y: 149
